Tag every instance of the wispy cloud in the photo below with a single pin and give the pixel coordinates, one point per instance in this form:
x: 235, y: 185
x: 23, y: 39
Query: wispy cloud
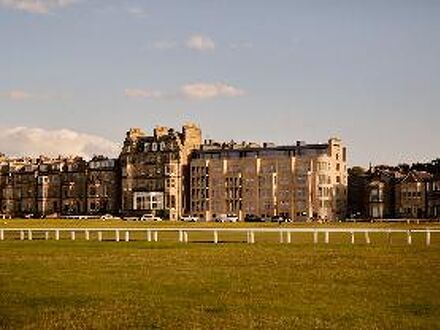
x: 137, y: 12
x: 19, y: 141
x: 41, y: 7
x: 203, y: 91
x: 143, y: 93
x: 22, y: 95
x: 200, y: 42
x: 195, y: 91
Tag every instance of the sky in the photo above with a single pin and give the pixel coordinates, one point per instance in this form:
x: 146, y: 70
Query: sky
x: 75, y: 75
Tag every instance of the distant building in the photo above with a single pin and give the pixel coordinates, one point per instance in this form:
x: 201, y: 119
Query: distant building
x: 381, y: 192
x: 302, y: 181
x: 412, y: 195
x: 155, y: 173
x: 54, y: 187
x: 433, y: 196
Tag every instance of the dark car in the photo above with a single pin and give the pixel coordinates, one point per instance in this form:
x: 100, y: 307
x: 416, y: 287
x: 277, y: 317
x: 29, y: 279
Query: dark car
x: 252, y: 218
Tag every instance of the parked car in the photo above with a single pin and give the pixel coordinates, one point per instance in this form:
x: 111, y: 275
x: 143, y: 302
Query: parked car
x: 108, y: 217
x: 150, y: 217
x: 252, y: 218
x: 280, y: 218
x: 189, y: 218
x: 226, y: 218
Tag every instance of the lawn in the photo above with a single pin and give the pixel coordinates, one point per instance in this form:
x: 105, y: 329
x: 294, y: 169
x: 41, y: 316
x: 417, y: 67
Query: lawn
x: 89, y: 284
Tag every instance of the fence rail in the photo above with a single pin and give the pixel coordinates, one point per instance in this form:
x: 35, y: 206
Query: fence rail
x: 152, y: 234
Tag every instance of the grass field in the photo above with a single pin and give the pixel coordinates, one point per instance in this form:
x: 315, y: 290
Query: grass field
x: 80, y: 284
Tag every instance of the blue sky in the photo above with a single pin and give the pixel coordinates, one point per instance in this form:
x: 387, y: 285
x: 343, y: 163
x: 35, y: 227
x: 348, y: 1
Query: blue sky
x: 79, y: 73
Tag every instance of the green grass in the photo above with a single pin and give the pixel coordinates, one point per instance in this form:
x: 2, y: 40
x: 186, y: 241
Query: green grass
x: 65, y: 284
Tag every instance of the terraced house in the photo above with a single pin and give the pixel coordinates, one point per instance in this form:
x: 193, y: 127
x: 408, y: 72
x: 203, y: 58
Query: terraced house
x: 53, y: 187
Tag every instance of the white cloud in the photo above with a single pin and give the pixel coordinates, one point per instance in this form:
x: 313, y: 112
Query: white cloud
x: 22, y: 141
x: 36, y: 6
x: 202, y: 91
x: 142, y: 93
x: 197, y: 91
x: 200, y: 43
x: 16, y: 95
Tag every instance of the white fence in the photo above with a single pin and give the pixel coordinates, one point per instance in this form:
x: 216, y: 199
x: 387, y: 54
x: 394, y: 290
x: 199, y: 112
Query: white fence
x: 286, y: 235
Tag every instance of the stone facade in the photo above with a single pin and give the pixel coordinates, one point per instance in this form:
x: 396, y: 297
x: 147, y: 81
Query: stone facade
x: 54, y: 187
x: 155, y: 170
x: 302, y: 181
x: 103, y: 186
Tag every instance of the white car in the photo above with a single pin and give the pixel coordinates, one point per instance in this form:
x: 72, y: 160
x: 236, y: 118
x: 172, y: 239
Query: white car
x: 108, y: 217
x: 189, y: 218
x: 226, y: 218
x: 150, y: 217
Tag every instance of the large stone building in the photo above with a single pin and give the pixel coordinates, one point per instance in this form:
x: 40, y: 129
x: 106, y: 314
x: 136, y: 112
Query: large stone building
x: 302, y: 181
x: 155, y: 176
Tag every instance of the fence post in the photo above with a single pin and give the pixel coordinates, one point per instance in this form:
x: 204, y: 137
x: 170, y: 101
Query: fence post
x: 428, y: 237
x: 367, y: 237
x: 185, y: 236
x: 46, y: 235
x: 30, y: 235
x: 21, y: 235
x: 117, y: 235
x: 149, y: 235
x: 215, y: 236
x: 180, y: 236
x: 252, y: 237
x: 72, y: 235
x: 352, y: 237
x: 57, y: 235
x: 2, y: 234
x: 281, y: 237
x: 87, y: 235
x: 100, y: 236
x: 156, y: 236
x: 327, y: 237
x: 408, y: 233
x: 315, y: 237
x: 289, y: 237
x: 127, y: 236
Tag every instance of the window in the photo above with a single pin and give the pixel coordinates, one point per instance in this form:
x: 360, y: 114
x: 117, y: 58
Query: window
x: 148, y: 201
